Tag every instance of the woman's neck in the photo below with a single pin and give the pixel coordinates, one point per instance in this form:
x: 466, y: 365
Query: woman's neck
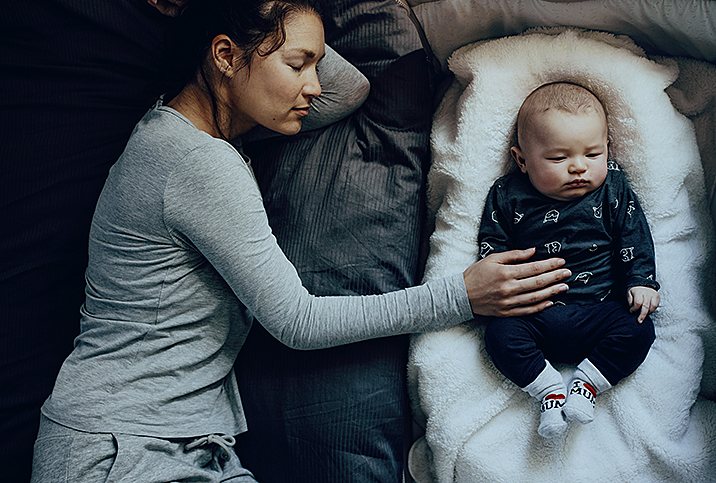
x: 196, y: 106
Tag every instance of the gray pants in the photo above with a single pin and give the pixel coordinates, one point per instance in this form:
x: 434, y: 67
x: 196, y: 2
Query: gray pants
x: 66, y: 455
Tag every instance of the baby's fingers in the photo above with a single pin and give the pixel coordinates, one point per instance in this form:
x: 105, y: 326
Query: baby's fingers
x: 643, y: 313
x: 637, y: 304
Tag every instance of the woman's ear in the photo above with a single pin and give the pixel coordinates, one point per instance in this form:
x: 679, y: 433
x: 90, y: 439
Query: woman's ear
x: 519, y: 159
x: 222, y: 54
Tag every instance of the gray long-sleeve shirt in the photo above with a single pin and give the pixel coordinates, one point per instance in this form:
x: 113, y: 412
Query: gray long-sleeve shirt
x: 181, y: 260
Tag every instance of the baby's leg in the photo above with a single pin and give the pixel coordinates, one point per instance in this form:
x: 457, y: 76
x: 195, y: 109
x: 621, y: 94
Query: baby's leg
x: 622, y: 347
x: 512, y: 345
x: 586, y: 383
x: 549, y: 388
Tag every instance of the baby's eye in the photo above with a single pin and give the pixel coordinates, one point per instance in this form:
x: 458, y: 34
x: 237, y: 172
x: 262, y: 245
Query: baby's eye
x: 557, y: 158
x: 594, y: 155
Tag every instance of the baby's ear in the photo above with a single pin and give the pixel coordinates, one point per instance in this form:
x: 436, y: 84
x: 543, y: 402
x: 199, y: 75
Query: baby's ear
x: 519, y: 159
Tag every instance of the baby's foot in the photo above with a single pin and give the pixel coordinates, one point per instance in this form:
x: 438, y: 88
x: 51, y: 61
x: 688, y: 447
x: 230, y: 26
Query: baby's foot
x: 580, y: 402
x: 551, y: 421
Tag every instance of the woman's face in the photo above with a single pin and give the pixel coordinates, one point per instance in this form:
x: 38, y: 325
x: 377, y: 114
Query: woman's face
x: 275, y: 91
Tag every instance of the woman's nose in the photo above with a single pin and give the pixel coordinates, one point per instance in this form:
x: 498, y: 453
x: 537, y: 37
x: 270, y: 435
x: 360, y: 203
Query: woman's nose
x: 313, y: 86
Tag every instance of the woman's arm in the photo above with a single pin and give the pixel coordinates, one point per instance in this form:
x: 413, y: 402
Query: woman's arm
x: 212, y: 200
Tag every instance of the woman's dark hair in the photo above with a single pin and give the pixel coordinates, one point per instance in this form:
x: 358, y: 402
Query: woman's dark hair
x: 248, y: 23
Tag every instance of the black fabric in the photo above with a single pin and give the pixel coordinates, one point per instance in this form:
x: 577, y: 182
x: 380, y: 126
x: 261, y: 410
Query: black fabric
x: 75, y: 76
x: 346, y: 204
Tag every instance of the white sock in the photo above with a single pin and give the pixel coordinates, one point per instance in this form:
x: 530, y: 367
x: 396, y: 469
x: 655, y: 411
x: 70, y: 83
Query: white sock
x: 586, y: 383
x: 548, y: 388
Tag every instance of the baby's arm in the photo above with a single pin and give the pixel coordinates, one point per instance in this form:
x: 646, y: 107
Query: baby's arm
x: 635, y: 250
x: 644, y: 300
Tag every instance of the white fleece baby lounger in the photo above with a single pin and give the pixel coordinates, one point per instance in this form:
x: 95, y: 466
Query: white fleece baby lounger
x: 651, y: 427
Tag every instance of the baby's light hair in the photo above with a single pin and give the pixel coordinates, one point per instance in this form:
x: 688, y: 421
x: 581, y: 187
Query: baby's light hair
x: 563, y: 96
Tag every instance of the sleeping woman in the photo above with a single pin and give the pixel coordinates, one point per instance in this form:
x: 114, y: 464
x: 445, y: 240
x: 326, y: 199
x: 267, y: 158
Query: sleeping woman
x: 182, y: 260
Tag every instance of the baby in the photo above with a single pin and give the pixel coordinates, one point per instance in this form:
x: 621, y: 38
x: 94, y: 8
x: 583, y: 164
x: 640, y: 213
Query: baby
x: 568, y: 200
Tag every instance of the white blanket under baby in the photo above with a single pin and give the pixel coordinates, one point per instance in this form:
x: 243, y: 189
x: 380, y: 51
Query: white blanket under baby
x: 653, y: 426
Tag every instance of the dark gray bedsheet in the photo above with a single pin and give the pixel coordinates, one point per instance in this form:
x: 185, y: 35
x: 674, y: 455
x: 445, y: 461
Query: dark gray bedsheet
x: 346, y: 204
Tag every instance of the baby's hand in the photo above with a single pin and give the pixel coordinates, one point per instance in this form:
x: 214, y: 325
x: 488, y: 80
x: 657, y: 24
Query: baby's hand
x: 644, y: 300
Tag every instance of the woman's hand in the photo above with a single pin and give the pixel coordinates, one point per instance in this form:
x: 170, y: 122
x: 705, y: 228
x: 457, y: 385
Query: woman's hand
x: 171, y: 8
x: 499, y: 285
x: 644, y: 300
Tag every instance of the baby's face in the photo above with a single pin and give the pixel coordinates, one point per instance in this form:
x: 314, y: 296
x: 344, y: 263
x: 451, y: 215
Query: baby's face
x: 564, y: 155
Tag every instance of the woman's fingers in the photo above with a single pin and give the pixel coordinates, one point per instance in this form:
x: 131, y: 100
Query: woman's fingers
x: 513, y: 256
x: 171, y: 8
x: 503, y: 285
x: 525, y: 303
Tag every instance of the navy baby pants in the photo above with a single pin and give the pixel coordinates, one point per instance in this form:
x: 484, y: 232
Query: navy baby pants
x: 605, y: 333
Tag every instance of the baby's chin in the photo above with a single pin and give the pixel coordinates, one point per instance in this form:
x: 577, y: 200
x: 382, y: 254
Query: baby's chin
x: 568, y: 195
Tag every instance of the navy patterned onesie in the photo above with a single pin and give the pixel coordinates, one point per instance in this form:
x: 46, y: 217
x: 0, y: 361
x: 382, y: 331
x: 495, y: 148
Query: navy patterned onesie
x: 605, y: 239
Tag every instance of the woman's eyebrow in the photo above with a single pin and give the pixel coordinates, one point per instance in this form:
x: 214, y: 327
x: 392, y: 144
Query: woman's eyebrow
x: 308, y: 53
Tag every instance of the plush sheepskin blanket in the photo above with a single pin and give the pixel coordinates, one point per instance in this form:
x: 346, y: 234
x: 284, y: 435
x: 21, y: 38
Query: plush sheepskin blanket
x: 653, y: 426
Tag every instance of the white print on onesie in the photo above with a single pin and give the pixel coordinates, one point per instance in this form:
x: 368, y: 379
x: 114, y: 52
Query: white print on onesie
x: 627, y: 254
x: 611, y: 165
x: 485, y: 249
x: 583, y: 277
x: 553, y: 247
x: 616, y: 203
x: 551, y: 216
x: 517, y: 218
x: 593, y: 248
x: 597, y: 211
x: 630, y: 208
x: 494, y: 217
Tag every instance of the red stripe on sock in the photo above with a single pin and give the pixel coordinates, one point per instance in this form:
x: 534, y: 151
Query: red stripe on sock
x: 591, y: 389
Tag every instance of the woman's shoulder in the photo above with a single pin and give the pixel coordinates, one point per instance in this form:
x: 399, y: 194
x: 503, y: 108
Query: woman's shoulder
x: 170, y: 140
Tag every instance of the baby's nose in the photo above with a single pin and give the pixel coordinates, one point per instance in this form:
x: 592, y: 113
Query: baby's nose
x: 578, y: 164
